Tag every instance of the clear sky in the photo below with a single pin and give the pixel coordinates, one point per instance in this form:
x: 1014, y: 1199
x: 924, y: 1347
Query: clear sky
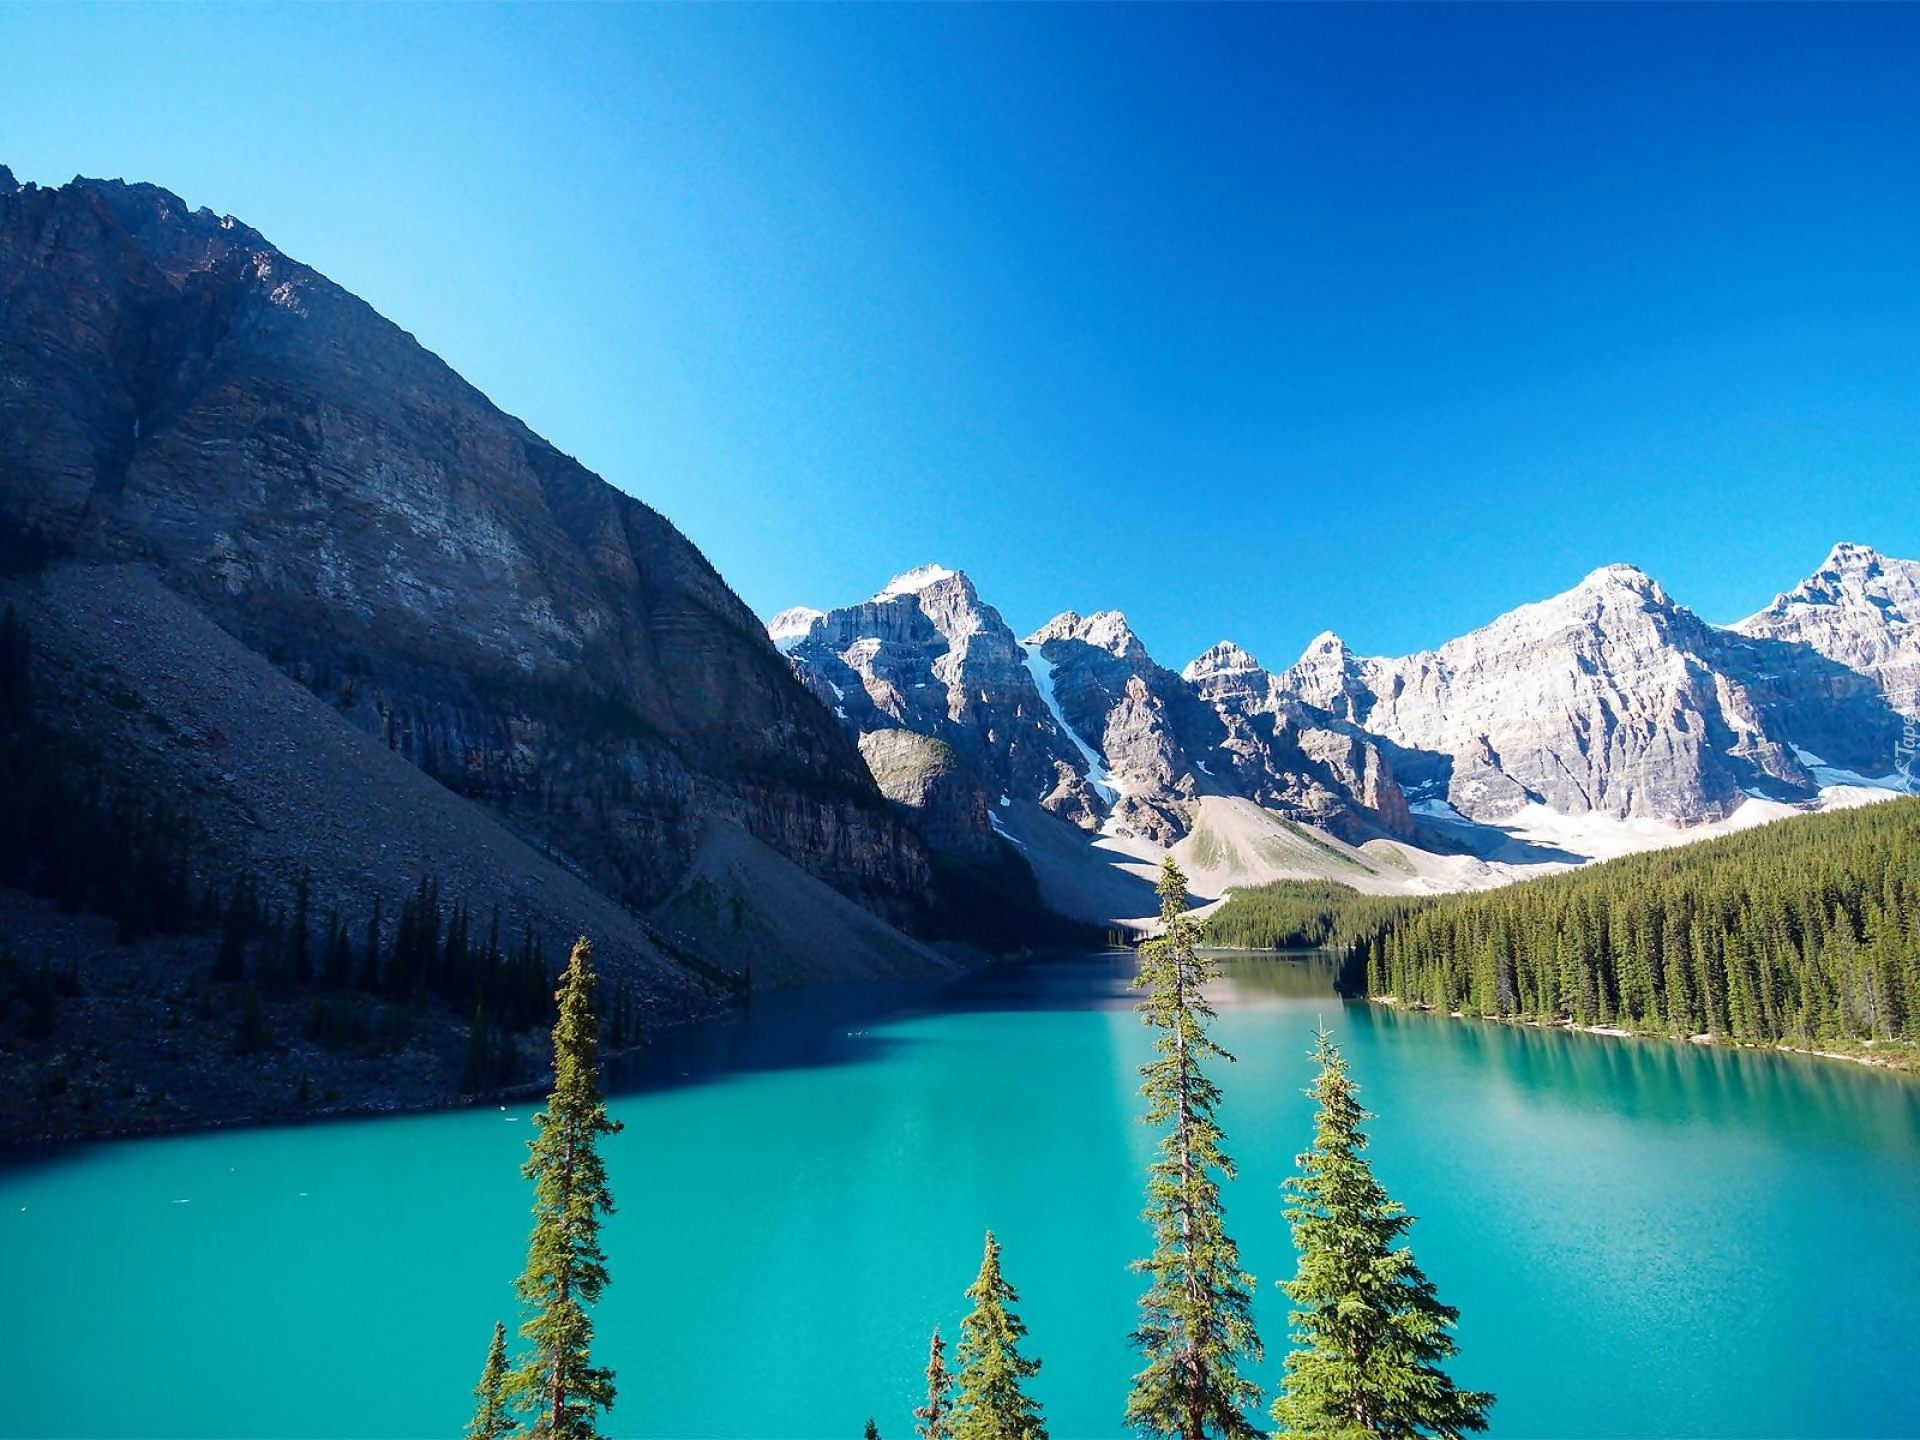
x: 1250, y: 322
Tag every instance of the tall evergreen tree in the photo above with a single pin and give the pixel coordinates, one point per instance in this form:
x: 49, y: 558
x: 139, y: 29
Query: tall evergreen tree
x: 566, y: 1268
x: 989, y: 1403
x: 1370, y: 1331
x: 370, y: 967
x: 298, y: 967
x: 492, y: 1419
x: 933, y: 1417
x: 1196, y: 1318
x: 872, y: 1432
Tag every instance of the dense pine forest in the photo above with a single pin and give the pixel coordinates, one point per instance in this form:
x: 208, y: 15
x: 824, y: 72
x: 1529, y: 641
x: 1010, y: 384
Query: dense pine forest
x: 282, y: 969
x: 1295, y: 914
x: 1805, y: 932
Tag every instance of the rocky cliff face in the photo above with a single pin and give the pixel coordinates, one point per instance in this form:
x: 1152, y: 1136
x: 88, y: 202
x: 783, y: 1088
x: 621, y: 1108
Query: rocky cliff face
x: 928, y: 657
x: 1078, y: 718
x: 1860, y: 613
x: 1606, y: 698
x: 1306, y: 759
x: 925, y: 776
x: 175, y: 391
x: 1609, y: 698
x: 1149, y: 732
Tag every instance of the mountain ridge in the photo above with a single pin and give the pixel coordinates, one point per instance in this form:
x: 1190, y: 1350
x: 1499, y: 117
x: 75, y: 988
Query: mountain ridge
x: 178, y: 394
x: 1609, y: 699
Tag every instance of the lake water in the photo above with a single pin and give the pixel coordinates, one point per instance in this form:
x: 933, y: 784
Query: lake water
x: 1643, y: 1238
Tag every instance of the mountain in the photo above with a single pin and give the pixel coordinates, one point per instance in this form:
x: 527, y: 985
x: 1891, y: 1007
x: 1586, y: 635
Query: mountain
x: 926, y: 656
x: 1291, y: 754
x: 1078, y: 719
x: 1513, y: 746
x: 1146, y: 735
x: 1083, y: 757
x: 181, y: 402
x: 1860, y: 611
x: 1605, y: 698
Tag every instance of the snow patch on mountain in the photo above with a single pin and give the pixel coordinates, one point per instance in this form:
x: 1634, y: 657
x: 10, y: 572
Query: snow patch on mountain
x: 1827, y: 776
x: 792, y: 625
x: 913, y: 581
x: 1103, y: 783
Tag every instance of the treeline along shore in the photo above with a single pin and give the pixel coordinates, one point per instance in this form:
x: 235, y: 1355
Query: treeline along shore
x: 1803, y: 934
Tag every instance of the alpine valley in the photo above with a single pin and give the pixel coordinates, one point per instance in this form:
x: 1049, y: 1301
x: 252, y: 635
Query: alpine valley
x: 393, y: 690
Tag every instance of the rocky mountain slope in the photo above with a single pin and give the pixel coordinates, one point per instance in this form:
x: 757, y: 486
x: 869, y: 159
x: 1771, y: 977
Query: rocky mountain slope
x: 1605, y: 698
x: 1513, y: 746
x: 1861, y: 612
x: 176, y: 393
x: 288, y: 578
x: 926, y: 657
x: 1610, y: 699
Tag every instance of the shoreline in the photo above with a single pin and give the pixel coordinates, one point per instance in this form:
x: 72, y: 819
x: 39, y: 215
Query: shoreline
x: 21, y: 1148
x: 13, y: 1151
x: 1908, y: 1065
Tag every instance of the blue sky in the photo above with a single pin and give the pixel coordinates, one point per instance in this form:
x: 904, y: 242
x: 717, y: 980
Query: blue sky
x: 1251, y: 322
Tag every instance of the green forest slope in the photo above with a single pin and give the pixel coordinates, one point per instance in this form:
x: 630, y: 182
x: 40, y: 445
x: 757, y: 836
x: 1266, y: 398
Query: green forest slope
x: 1805, y: 932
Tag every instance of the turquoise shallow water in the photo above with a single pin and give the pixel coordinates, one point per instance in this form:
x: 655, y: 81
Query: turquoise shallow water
x: 1645, y: 1239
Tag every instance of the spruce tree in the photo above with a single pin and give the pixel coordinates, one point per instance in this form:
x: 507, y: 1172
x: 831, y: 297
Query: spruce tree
x: 369, y: 980
x: 477, y: 1074
x: 1196, y: 1325
x: 989, y: 1403
x: 298, y: 968
x: 1370, y: 1331
x: 938, y: 1411
x: 872, y: 1432
x: 566, y: 1268
x: 491, y: 1417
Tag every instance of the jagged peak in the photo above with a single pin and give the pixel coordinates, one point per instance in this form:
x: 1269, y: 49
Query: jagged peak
x: 1847, y: 556
x: 1854, y: 577
x: 1225, y: 658
x: 8, y: 185
x: 912, y: 582
x: 1104, y: 629
x: 1060, y: 627
x: 1326, y: 646
x: 1608, y: 586
x: 792, y: 625
x: 1621, y: 577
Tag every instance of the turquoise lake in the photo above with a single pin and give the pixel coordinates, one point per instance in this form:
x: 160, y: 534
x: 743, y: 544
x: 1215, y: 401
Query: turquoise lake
x: 1644, y: 1238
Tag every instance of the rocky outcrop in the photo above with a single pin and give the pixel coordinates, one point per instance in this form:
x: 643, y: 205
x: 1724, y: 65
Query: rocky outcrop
x: 176, y: 391
x: 1149, y: 731
x: 1327, y: 677
x: 1306, y: 760
x: 951, y: 809
x: 1856, y: 619
x: 1607, y: 698
x: 927, y: 655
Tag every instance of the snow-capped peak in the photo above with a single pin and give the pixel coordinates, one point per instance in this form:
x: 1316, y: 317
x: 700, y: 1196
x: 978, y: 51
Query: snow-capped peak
x: 1849, y: 556
x: 1854, y: 577
x: 792, y: 625
x: 1623, y: 577
x: 913, y: 581
x: 1325, y: 644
